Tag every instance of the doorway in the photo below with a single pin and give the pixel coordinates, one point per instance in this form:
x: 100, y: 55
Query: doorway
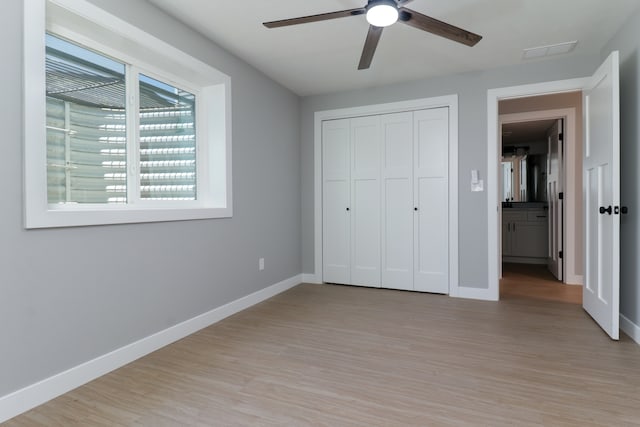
x: 601, y: 189
x: 540, y: 110
x: 540, y: 192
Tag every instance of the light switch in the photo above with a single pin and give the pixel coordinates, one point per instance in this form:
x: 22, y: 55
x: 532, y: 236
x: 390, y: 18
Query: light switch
x: 476, y: 183
x: 478, y: 186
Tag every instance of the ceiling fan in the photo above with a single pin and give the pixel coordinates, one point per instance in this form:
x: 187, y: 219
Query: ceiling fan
x: 382, y: 13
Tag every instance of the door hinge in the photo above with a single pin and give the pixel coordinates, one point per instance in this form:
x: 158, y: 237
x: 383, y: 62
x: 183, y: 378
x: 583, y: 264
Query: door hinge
x: 560, y: 255
x: 561, y: 196
x: 561, y: 137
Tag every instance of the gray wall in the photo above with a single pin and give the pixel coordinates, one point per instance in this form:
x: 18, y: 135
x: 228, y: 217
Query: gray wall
x: 472, y: 97
x: 70, y: 295
x: 627, y: 41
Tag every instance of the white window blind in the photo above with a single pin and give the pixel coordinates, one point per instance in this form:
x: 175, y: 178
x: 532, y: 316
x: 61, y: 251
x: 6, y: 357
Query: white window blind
x: 87, y: 131
x: 86, y: 125
x: 167, y: 142
x: 120, y: 126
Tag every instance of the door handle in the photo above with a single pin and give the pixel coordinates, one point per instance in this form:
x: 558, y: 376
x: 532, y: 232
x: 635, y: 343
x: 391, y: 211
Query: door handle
x: 603, y: 210
x: 618, y: 210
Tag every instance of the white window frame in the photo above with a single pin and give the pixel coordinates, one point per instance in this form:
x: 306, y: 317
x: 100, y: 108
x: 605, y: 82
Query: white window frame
x: 90, y: 26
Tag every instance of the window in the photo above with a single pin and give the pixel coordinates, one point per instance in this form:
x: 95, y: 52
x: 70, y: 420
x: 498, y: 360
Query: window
x: 128, y: 128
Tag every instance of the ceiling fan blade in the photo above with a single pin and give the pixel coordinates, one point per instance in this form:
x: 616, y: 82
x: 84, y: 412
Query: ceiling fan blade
x: 315, y: 18
x: 370, y: 45
x: 403, y: 2
x: 439, y: 28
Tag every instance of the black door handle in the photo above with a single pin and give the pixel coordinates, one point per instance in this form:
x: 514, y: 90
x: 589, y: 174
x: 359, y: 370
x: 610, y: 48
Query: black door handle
x: 617, y: 210
x: 603, y: 210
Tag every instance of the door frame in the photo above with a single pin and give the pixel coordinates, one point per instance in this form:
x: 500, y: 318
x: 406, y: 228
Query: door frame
x: 569, y: 171
x: 493, y: 147
x: 450, y: 101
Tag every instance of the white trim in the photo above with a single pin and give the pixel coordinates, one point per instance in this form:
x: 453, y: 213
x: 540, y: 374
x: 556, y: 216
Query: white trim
x: 630, y: 328
x: 569, y: 166
x: 450, y: 101
x: 574, y: 279
x: 311, y: 278
x: 36, y: 394
x: 493, y: 207
x: 475, y: 293
x: 89, y: 25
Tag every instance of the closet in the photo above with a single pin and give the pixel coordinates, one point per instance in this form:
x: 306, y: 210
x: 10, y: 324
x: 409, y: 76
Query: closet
x: 385, y: 200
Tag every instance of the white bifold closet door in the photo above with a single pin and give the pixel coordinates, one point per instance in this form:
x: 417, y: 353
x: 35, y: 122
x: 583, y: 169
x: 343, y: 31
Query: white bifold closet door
x: 336, y: 201
x: 397, y: 206
x: 385, y: 201
x: 351, y: 201
x: 365, y: 201
x: 431, y: 196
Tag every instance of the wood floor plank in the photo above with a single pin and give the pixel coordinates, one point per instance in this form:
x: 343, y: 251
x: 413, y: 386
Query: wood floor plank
x: 346, y: 356
x: 536, y: 281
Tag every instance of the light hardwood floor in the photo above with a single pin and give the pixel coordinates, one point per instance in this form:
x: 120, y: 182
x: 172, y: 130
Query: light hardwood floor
x: 346, y: 356
x: 536, y: 281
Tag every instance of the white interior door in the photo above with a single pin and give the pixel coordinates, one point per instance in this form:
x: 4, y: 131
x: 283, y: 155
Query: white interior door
x: 601, y: 295
x: 431, y: 198
x: 336, y: 202
x: 554, y: 188
x: 397, y: 201
x: 365, y: 201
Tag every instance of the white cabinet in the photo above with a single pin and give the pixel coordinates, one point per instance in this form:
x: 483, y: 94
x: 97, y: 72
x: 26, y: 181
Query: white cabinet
x: 385, y: 201
x: 524, y: 235
x: 507, y: 237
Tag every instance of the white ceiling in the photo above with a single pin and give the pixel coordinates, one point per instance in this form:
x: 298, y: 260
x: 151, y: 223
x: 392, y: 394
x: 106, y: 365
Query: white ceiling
x: 322, y: 57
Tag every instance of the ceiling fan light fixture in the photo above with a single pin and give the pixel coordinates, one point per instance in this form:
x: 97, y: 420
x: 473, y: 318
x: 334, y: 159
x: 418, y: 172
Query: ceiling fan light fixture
x: 382, y: 13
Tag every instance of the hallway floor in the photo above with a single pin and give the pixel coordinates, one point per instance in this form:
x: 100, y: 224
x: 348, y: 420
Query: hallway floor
x: 536, y: 282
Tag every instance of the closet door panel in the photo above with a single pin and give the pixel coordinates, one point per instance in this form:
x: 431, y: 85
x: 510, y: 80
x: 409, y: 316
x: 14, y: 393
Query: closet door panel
x: 397, y: 205
x: 336, y: 221
x: 431, y: 220
x: 432, y: 142
x: 366, y: 242
x: 365, y: 200
x: 431, y: 245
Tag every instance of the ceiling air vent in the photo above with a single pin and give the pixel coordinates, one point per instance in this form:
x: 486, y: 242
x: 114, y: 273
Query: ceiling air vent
x: 549, y: 50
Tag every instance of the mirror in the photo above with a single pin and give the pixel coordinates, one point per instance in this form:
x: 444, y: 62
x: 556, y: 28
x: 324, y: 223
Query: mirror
x: 524, y: 161
x: 524, y: 178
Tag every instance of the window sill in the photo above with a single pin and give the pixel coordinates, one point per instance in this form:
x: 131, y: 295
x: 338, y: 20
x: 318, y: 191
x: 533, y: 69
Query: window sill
x: 101, y: 215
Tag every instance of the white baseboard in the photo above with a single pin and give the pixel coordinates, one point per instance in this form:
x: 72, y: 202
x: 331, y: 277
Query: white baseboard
x: 311, y: 278
x: 474, y: 293
x: 36, y: 394
x: 630, y: 328
x: 573, y: 279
